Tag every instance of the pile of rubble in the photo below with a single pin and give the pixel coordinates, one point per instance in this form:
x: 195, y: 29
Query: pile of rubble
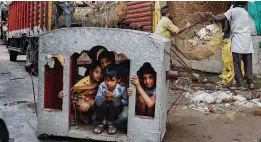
x: 201, y: 100
x: 210, y: 96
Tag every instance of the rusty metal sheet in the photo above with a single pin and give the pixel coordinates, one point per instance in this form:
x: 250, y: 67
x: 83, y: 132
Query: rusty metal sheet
x: 140, y: 13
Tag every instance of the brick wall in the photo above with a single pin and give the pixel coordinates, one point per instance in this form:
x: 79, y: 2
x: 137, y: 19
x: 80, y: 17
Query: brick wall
x: 180, y: 10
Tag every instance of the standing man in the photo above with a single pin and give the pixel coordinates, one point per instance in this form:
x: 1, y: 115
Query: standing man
x: 166, y: 27
x: 67, y: 7
x: 241, y: 42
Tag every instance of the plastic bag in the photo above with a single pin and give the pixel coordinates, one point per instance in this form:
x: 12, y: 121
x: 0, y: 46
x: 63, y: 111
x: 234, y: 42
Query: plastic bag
x: 228, y: 74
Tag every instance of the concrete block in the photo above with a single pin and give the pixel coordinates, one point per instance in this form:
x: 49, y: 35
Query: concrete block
x: 138, y: 46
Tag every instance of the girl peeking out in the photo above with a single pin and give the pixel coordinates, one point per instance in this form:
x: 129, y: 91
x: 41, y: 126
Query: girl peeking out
x: 85, y: 90
x: 145, y: 84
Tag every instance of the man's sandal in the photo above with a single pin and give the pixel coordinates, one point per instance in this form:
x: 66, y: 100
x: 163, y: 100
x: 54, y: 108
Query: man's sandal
x: 99, y: 129
x: 112, y: 130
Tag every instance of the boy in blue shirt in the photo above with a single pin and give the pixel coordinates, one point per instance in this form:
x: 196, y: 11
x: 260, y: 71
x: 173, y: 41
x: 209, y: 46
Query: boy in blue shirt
x: 110, y: 99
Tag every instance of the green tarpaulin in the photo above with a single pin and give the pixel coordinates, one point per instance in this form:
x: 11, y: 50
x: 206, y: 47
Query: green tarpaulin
x: 254, y: 10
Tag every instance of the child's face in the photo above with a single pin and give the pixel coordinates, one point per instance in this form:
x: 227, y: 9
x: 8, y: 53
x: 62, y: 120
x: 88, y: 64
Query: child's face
x: 111, y: 82
x: 105, y: 62
x: 148, y: 80
x: 96, y: 74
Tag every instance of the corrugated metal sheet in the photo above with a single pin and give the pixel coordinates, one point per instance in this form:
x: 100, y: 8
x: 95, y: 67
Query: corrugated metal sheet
x: 31, y: 14
x: 140, y: 13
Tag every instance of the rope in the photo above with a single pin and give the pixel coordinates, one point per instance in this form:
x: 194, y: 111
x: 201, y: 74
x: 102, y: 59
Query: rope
x: 31, y: 74
x: 174, y: 104
x: 189, y: 44
x: 181, y: 59
x: 33, y: 93
x: 34, y: 54
x: 175, y: 59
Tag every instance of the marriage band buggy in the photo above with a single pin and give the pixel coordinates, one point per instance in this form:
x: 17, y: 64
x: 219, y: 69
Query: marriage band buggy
x: 139, y: 47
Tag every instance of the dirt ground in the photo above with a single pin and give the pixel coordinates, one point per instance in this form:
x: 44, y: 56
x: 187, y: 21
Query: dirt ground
x: 184, y: 124
x: 187, y: 125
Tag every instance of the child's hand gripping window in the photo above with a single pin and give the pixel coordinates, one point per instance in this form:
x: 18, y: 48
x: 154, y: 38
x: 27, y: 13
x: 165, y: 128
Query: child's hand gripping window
x: 146, y: 90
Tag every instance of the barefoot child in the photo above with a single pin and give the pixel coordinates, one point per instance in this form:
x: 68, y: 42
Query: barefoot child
x: 108, y: 101
x: 85, y: 90
x: 146, y: 93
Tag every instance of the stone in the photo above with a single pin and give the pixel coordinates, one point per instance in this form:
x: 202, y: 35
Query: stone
x: 246, y: 94
x: 228, y: 100
x: 257, y: 112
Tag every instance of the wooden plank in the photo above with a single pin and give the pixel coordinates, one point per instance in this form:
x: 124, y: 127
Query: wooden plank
x: 50, y: 13
x: 36, y: 11
x: 23, y: 14
x: 41, y: 14
x: 46, y: 15
x: 28, y: 15
x: 32, y: 15
x: 15, y: 16
x: 19, y: 16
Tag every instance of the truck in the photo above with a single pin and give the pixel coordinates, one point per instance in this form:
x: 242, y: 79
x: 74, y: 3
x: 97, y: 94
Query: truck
x: 26, y: 21
x: 29, y: 19
x: 3, y: 22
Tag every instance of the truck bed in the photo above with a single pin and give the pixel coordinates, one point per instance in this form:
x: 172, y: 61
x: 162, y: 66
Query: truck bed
x: 29, y: 18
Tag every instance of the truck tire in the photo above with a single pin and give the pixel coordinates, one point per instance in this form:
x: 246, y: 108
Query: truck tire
x: 13, y: 56
x: 4, y: 134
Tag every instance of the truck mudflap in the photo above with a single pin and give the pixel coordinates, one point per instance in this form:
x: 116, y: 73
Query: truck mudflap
x: 31, y: 65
